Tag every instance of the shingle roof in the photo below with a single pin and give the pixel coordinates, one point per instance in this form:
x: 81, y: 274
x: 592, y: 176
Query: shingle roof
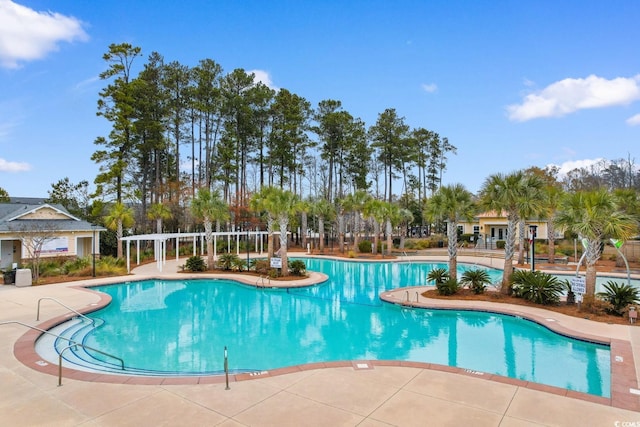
x: 9, y: 211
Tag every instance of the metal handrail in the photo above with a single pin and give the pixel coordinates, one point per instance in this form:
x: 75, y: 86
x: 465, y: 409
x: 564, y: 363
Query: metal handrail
x: 85, y: 347
x: 93, y: 321
x: 261, y: 280
x: 73, y: 344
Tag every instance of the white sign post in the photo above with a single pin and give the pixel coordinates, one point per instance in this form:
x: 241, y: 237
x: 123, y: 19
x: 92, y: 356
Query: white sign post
x: 276, y: 262
x: 578, y: 287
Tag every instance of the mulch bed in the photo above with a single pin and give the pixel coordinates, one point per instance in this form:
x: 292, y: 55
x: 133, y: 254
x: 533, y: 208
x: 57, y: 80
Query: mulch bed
x: 491, y: 296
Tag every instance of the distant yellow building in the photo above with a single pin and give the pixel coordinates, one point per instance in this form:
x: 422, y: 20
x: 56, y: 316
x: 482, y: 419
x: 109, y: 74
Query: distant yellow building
x: 489, y: 227
x: 59, y: 233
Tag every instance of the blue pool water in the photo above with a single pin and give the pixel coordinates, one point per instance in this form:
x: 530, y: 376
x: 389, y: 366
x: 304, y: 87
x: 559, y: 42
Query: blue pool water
x: 182, y: 327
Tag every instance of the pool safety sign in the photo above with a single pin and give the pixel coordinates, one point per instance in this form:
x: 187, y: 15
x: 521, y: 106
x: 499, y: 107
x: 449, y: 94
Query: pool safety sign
x: 578, y: 285
x: 276, y: 262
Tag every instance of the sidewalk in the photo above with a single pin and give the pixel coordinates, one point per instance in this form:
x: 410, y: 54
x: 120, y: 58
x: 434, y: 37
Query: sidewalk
x: 365, y: 393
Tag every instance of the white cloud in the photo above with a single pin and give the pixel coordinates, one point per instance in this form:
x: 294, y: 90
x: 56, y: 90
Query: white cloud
x: 429, y: 88
x: 26, y: 34
x: 570, y: 165
x: 634, y: 120
x: 6, y: 166
x: 81, y: 86
x: 264, y: 77
x: 570, y: 95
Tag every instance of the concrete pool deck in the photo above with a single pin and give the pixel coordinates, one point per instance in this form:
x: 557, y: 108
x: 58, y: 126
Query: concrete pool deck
x: 361, y: 393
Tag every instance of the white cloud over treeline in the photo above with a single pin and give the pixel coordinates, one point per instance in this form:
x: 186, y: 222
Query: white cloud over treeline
x: 7, y: 166
x: 570, y: 95
x: 27, y: 35
x: 264, y: 77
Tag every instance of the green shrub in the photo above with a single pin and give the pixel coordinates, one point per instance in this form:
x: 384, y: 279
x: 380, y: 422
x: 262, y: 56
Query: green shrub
x: 260, y: 266
x: 297, y: 267
x: 537, y: 286
x: 595, y: 305
x: 195, y: 263
x: 500, y: 244
x: 49, y: 267
x: 620, y: 296
x: 228, y: 261
x: 110, y: 266
x: 239, y: 264
x: 571, y: 297
x: 448, y: 287
x: 73, y: 265
x: 365, y: 247
x: 438, y: 276
x: 477, y: 280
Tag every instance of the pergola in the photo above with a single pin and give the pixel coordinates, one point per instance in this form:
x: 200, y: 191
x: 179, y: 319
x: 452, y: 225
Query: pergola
x: 160, y: 243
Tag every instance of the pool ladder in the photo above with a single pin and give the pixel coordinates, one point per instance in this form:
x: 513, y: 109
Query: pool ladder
x: 417, y: 296
x: 261, y: 281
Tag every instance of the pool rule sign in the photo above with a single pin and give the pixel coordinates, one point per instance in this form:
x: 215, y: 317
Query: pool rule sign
x: 578, y: 287
x: 276, y: 262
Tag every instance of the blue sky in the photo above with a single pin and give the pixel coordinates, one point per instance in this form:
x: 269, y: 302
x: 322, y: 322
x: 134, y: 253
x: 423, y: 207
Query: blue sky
x: 512, y: 84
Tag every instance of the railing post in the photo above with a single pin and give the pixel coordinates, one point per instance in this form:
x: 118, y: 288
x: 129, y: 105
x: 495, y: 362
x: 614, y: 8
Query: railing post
x: 226, y: 368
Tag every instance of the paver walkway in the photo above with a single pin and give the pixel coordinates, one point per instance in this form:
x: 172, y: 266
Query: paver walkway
x: 339, y: 396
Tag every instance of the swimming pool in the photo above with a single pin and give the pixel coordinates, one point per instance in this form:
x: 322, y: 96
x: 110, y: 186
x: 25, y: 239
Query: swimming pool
x: 181, y: 327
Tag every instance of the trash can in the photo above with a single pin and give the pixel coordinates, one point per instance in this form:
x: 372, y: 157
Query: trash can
x: 440, y: 243
x: 23, y: 277
x: 9, y: 277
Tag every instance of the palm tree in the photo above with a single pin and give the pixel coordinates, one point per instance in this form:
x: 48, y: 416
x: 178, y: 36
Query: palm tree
x: 531, y: 199
x: 159, y: 212
x: 209, y: 207
x: 552, y: 197
x: 375, y: 209
x: 405, y: 218
x: 323, y: 210
x: 356, y: 203
x: 261, y: 202
x: 502, y: 193
x: 392, y: 219
x: 451, y: 203
x: 304, y: 207
x: 119, y: 217
x: 594, y: 216
x: 281, y: 204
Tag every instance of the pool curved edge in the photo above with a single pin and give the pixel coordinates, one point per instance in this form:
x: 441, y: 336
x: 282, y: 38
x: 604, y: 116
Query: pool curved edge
x: 623, y: 370
x: 623, y: 376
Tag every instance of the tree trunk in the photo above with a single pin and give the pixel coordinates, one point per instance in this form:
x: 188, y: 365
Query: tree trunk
x: 119, y: 233
x: 356, y: 232
x: 452, y: 248
x: 341, y: 233
x: 284, y: 225
x: 376, y: 236
x: 551, y: 233
x: 521, y: 239
x: 590, y: 278
x: 269, y: 239
x: 321, y: 233
x: 303, y: 229
x: 591, y: 258
x: 389, y: 237
x: 508, y: 254
x: 208, y: 235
